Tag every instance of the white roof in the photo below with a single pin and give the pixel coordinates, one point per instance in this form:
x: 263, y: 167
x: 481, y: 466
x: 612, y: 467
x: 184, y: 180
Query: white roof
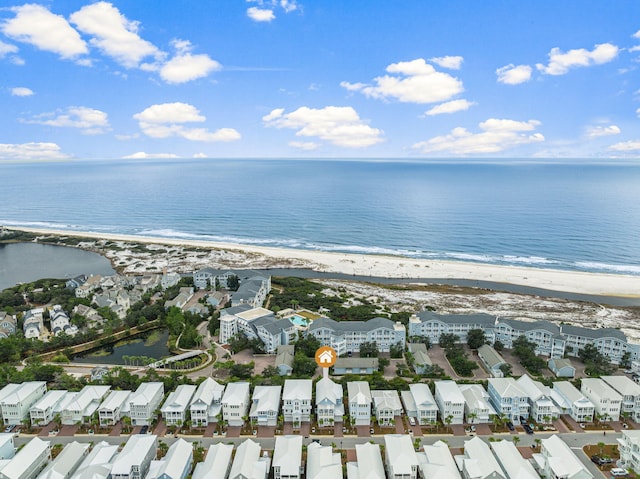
x: 66, y: 462
x: 49, y: 400
x: 16, y: 395
x: 533, y: 389
x: 561, y: 459
x: 266, y: 398
x: 145, y: 393
x: 512, y: 461
x: 386, y: 399
x: 179, y: 399
x: 255, y: 313
x: 65, y: 400
x: 6, y: 437
x: 216, y: 463
x: 287, y: 454
x: 87, y: 395
x: 600, y: 388
x: 400, y: 454
x: 329, y: 390
x: 507, y: 387
x: 359, y: 392
x: 235, y: 393
x: 322, y: 462
x: 439, y: 462
x: 208, y: 391
x: 479, y: 460
x: 422, y: 396
x: 178, y: 456
x: 115, y: 400
x: 132, y: 453
x: 247, y: 456
x: 449, y: 391
x: 97, y: 464
x: 31, y: 452
x: 8, y: 390
x: 297, y: 389
x: 568, y: 390
x: 623, y: 385
x: 476, y: 397
x: 369, y: 461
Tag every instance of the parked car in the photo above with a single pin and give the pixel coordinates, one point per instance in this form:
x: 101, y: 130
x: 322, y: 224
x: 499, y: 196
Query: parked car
x: 528, y: 429
x: 9, y: 428
x: 510, y: 426
x: 371, y: 430
x: 618, y: 472
x: 144, y: 430
x: 596, y: 460
x: 412, y: 421
x: 523, y: 420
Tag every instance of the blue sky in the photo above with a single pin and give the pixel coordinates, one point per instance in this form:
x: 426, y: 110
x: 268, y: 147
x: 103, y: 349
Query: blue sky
x: 320, y: 78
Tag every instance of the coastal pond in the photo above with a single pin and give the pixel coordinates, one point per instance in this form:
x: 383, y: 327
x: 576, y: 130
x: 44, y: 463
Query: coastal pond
x: 130, y: 351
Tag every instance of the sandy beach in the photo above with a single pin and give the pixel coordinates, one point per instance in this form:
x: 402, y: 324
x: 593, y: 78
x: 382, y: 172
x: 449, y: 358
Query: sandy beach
x: 249, y: 256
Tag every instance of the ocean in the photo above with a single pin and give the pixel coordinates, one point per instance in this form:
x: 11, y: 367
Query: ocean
x: 572, y: 215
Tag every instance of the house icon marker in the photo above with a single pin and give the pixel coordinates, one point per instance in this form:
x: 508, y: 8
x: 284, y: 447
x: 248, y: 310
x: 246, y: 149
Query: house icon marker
x: 325, y: 357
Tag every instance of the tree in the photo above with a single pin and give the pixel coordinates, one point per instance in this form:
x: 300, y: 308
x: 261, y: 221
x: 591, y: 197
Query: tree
x: 303, y: 366
x: 476, y: 338
x: 506, y: 369
x: 516, y: 440
x: 498, y: 345
x: 448, y: 340
x: 383, y: 363
x: 308, y: 345
x: 396, y: 350
x: 369, y: 349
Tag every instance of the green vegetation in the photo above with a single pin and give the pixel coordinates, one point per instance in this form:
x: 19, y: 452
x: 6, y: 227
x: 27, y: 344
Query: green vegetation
x: 369, y: 350
x: 525, y: 351
x: 456, y: 355
x: 597, y: 364
x: 476, y: 338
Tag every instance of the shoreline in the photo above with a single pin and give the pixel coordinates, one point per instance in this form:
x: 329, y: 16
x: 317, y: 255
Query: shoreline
x: 383, y: 266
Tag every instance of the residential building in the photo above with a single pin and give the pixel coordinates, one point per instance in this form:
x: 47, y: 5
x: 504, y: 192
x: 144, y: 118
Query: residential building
x: 359, y: 396
x: 247, y: 463
x: 630, y: 392
x: 508, y: 398
x: 477, y: 406
x: 134, y: 460
x: 206, y: 403
x: 450, y: 402
x: 216, y: 464
x: 419, y: 403
x: 60, y: 322
x: 421, y: 361
x: 97, y: 464
x: 7, y: 446
x: 144, y: 402
x: 429, y: 324
x: 478, y: 462
x: 561, y: 367
x: 386, y: 406
x: 8, y: 324
x: 368, y: 463
x: 169, y: 279
x: 73, y: 283
x: 492, y: 361
x: 296, y: 400
x: 541, y: 406
x: 235, y: 403
x: 570, y: 400
x: 284, y: 360
x: 94, y: 320
x: 437, y: 462
x: 65, y: 463
x: 265, y: 405
x: 33, y: 323
x: 229, y: 322
x: 16, y: 400
x: 253, y: 290
x: 98, y: 373
x: 183, y: 297
x: 512, y: 461
x: 608, y: 341
x: 629, y: 447
x: 557, y: 460
x: 322, y: 462
x: 257, y: 323
x: 90, y: 285
x: 42, y: 411
x: 287, y: 457
x: 176, y: 464
x: 347, y: 336
x: 28, y: 461
x: 114, y: 407
x: 329, y: 402
x: 83, y: 405
x: 606, y: 400
x: 545, y: 335
x: 400, y: 457
x: 174, y: 409
x: 355, y: 366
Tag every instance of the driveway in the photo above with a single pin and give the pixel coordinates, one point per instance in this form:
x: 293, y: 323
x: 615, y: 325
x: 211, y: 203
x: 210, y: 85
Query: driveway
x: 363, y: 431
x: 436, y: 354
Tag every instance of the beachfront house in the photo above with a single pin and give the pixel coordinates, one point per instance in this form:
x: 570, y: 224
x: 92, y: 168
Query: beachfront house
x: 174, y: 409
x: 287, y: 457
x: 114, y: 407
x: 359, y: 396
x: 176, y: 464
x: 16, y: 400
x: 630, y: 392
x: 368, y: 463
x: 134, y: 460
x: 65, y: 463
x: 508, y: 398
x: 541, y: 407
x: 429, y: 324
x: 28, y: 461
x: 386, y: 406
x: 248, y: 463
x: 561, y: 367
x: 450, y: 402
x: 545, y: 335
x: 492, y: 361
x: 400, y: 457
x: 420, y: 404
x: 206, y: 403
x: 477, y: 406
x: 235, y: 403
x: 478, y: 462
x: 144, y: 402
x: 329, y: 402
x: 606, y: 400
x: 265, y: 405
x: 570, y: 400
x: 83, y: 405
x: 296, y: 401
x: 557, y: 460
x: 322, y: 462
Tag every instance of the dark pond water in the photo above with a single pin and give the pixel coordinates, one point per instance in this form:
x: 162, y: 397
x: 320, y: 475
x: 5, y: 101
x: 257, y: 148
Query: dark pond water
x: 152, y: 344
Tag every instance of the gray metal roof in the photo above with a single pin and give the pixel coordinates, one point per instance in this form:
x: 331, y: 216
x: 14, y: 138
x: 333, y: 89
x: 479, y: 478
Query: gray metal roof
x: 531, y: 325
x: 344, y: 326
x: 593, y: 333
x: 478, y: 318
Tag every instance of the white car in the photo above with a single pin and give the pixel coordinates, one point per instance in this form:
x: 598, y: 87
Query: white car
x: 412, y: 421
x: 618, y: 472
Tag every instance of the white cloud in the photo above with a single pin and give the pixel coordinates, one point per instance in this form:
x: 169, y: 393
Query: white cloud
x: 89, y: 120
x: 114, y: 34
x: 637, y: 35
x: 36, y: 25
x: 340, y: 126
x: 288, y: 5
x: 260, y: 14
x: 450, y: 107
x: 561, y: 62
x: 497, y: 135
x: 21, y: 91
x: 31, y: 151
x: 514, y: 75
x: 201, y: 155
x: 626, y: 146
x: 416, y: 82
x: 638, y: 112
x: 166, y: 120
x: 141, y: 155
x: 596, y: 131
x: 304, y: 145
x: 6, y: 48
x: 184, y: 66
x: 452, y: 63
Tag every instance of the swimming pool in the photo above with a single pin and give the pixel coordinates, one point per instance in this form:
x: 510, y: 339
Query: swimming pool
x: 299, y: 321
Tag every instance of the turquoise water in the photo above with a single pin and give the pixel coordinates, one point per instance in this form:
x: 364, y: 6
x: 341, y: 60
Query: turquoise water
x: 299, y: 321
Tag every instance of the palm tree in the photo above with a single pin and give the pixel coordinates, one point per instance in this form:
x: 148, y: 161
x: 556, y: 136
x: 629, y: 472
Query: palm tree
x: 538, y: 441
x: 601, y: 446
x: 471, y: 417
x: 516, y: 440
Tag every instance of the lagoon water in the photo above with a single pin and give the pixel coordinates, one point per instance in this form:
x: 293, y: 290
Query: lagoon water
x: 570, y: 215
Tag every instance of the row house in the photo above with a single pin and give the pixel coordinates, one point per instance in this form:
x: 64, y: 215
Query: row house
x: 176, y: 464
x: 508, y: 398
x: 400, y: 457
x: 544, y: 334
x: 329, y: 402
x: 296, y: 400
x: 287, y: 457
x: 368, y: 464
x: 347, y: 336
x: 43, y: 411
x: 630, y: 392
x: 477, y: 406
x: 557, y: 460
x: 16, y: 400
x: 450, y: 402
x: 569, y: 400
x: 97, y: 464
x: 386, y: 406
x: 429, y: 324
x: 33, y: 323
x: 541, y: 407
x: 478, y: 462
x: 114, y: 407
x: 83, y: 405
x: 420, y: 404
x: 134, y: 460
x: 235, y: 403
x: 28, y: 461
x: 216, y: 464
x: 174, y: 409
x: 265, y: 405
x: 248, y: 463
x: 436, y: 461
x: 206, y: 404
x: 359, y: 398
x: 66, y: 462
x: 511, y: 461
x: 606, y: 400
x: 322, y: 462
x: 144, y: 402
x: 629, y: 447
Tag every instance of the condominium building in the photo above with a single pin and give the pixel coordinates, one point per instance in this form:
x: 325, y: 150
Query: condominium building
x: 432, y: 325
